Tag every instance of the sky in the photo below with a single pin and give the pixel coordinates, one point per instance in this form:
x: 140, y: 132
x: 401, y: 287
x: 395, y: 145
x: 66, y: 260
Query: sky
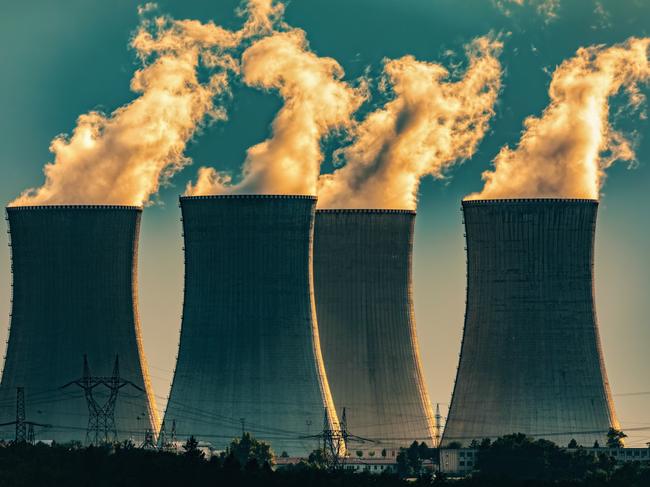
x: 59, y: 63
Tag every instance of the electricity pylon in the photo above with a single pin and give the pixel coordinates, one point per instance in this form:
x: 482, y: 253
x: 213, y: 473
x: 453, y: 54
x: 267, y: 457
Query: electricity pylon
x: 20, y: 421
x: 438, y: 425
x: 101, y: 418
x: 148, y: 443
x: 165, y: 443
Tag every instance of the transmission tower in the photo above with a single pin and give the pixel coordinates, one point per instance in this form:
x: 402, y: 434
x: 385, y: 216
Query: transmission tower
x: 335, y: 441
x: 148, y: 443
x: 31, y: 439
x: 438, y: 425
x: 172, y: 438
x: 21, y: 430
x: 347, y: 437
x: 21, y: 423
x: 101, y: 418
x: 333, y: 444
x: 167, y: 443
x: 162, y: 437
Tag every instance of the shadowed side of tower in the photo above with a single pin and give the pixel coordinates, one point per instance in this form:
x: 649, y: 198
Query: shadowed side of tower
x: 249, y: 354
x: 75, y: 293
x: 531, y: 360
x: 362, y: 281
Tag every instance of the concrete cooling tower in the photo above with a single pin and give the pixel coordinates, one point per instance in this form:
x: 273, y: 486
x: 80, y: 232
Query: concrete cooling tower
x: 249, y: 354
x: 75, y: 294
x: 531, y: 360
x: 362, y: 280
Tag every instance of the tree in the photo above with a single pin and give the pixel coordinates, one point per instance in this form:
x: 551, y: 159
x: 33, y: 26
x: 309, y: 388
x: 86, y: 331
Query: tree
x: 474, y: 444
x: 424, y: 452
x: 191, y: 448
x: 485, y: 443
x: 596, y: 444
x: 409, y: 461
x: 384, y: 453
x: 521, y: 458
x: 359, y: 453
x: 572, y: 444
x: 454, y: 445
x: 318, y: 459
x: 247, y: 448
x: 615, y: 438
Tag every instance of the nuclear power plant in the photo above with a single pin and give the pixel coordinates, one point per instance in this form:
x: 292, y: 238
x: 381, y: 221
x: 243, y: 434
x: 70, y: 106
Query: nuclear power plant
x: 364, y: 301
x: 531, y: 360
x: 249, y: 356
x: 270, y: 283
x: 75, y: 296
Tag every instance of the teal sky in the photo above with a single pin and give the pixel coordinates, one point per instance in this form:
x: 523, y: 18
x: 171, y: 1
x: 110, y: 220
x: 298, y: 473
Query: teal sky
x: 60, y: 60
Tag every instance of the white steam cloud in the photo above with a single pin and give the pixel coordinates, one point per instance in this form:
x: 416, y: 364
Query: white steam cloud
x: 316, y: 102
x: 122, y: 157
x: 564, y: 153
x: 430, y: 124
x: 547, y: 9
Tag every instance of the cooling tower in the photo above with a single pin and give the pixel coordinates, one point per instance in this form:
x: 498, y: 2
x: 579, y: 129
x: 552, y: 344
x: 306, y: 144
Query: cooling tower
x: 530, y: 360
x: 249, y: 354
x: 74, y: 293
x: 362, y: 281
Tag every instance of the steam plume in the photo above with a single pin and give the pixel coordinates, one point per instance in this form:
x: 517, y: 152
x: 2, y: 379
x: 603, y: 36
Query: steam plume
x: 122, y: 157
x: 430, y: 124
x: 316, y: 102
x: 545, y: 8
x: 564, y: 153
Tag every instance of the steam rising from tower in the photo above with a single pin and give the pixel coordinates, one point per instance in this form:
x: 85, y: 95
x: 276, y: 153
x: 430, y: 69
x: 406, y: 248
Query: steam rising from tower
x: 121, y: 158
x: 75, y: 293
x: 249, y: 354
x: 565, y: 152
x: 531, y: 360
x: 316, y: 102
x: 362, y: 280
x: 430, y: 124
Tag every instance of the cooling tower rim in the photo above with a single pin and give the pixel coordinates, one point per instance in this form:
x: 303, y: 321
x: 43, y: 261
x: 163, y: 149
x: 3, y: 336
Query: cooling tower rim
x: 365, y: 210
x: 73, y: 207
x: 248, y: 196
x: 530, y: 201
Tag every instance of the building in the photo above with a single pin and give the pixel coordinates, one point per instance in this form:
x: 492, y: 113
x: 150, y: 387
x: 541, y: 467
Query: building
x: 458, y: 462
x: 531, y: 360
x: 362, y: 280
x: 75, y: 294
x: 249, y: 355
x: 374, y: 465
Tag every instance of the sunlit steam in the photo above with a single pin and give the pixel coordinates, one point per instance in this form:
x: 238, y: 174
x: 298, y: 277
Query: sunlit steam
x: 430, y: 124
x: 564, y: 153
x: 316, y: 102
x: 121, y: 158
x: 547, y: 9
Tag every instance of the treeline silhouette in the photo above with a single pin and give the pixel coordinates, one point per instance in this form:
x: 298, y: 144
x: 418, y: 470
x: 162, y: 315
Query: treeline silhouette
x: 511, y: 461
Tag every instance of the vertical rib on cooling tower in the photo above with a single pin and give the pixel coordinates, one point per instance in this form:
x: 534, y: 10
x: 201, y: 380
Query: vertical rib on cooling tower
x: 74, y: 293
x: 531, y: 360
x: 249, y: 354
x: 362, y: 280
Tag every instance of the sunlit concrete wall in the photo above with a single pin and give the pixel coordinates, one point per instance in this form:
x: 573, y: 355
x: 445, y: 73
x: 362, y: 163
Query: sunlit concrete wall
x: 362, y: 280
x: 74, y: 293
x: 249, y: 354
x: 531, y: 360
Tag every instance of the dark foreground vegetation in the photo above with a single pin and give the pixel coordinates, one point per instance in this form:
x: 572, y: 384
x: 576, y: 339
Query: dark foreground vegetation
x: 511, y: 461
